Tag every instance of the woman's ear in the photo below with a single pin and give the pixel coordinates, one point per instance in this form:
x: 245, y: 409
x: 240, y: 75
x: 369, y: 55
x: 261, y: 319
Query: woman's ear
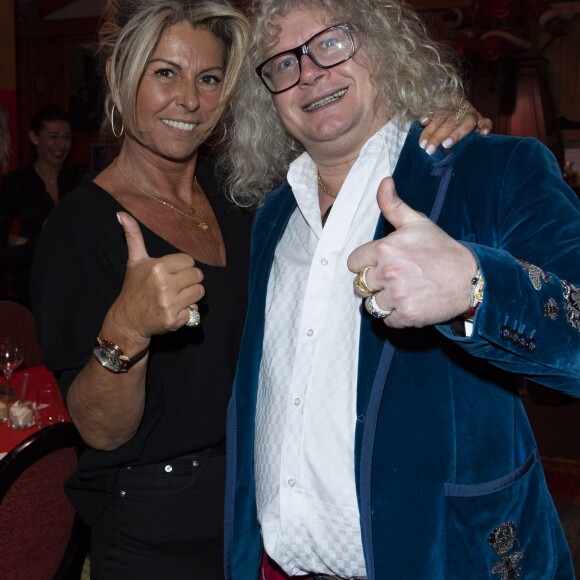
x: 33, y: 137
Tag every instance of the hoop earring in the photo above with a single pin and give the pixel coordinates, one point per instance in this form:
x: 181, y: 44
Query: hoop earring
x: 117, y: 135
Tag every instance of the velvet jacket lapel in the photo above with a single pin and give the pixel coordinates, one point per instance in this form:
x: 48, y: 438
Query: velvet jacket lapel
x: 375, y: 350
x: 414, y: 166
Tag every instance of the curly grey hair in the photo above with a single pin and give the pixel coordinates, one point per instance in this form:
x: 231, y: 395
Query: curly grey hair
x: 413, y: 75
x: 130, y: 32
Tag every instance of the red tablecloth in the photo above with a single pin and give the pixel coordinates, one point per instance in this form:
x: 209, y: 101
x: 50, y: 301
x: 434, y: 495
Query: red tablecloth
x: 39, y: 376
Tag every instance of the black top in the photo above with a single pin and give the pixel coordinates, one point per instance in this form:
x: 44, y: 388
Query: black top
x: 78, y: 272
x: 23, y: 196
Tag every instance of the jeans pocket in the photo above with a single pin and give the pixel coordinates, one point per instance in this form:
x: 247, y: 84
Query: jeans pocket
x: 501, y: 528
x: 144, y: 482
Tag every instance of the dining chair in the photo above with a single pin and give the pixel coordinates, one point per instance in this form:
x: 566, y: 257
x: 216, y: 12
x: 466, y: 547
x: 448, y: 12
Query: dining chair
x: 40, y: 535
x: 17, y: 321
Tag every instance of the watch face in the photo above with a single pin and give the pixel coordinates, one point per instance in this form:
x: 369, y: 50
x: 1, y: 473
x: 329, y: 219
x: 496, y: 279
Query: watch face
x: 108, y: 358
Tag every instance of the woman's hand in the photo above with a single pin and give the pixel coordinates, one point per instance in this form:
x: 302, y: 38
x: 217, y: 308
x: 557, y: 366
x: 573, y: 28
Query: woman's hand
x: 17, y: 240
x: 447, y: 129
x: 156, y: 292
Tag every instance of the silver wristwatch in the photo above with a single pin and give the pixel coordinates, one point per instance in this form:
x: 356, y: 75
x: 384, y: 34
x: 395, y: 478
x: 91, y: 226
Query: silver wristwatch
x: 112, y: 358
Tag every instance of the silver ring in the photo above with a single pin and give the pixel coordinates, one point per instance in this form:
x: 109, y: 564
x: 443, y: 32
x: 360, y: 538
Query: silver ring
x: 194, y: 317
x: 461, y: 113
x: 374, y: 309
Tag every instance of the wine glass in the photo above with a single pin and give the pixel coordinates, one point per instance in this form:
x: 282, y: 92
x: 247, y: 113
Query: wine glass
x: 11, y: 358
x: 46, y: 406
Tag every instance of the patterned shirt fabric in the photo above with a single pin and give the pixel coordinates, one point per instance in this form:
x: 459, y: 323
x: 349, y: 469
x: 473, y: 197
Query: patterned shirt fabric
x: 306, y: 412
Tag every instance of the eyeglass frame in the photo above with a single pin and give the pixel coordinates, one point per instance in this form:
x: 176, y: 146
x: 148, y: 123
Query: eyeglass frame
x: 302, y: 50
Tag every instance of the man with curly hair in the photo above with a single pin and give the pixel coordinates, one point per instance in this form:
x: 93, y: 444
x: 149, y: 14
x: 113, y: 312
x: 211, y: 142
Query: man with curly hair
x: 375, y: 429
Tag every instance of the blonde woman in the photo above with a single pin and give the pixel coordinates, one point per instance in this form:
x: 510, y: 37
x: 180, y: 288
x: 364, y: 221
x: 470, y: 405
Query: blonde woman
x: 143, y: 329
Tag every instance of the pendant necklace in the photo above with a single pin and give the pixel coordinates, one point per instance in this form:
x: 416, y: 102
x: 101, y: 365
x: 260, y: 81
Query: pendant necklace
x: 200, y: 223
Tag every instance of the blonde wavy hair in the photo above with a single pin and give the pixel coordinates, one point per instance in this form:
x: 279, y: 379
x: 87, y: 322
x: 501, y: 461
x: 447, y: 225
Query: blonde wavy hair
x: 413, y: 75
x: 129, y: 34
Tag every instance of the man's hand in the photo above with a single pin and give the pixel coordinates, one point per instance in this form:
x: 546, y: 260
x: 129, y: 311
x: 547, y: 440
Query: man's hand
x: 421, y: 274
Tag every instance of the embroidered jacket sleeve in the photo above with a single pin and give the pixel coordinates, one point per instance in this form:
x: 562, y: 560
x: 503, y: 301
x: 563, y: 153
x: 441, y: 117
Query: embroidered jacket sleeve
x: 527, y: 243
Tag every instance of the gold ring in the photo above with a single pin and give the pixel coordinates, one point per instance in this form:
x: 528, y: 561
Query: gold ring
x: 360, y: 282
x: 461, y: 113
x: 194, y: 317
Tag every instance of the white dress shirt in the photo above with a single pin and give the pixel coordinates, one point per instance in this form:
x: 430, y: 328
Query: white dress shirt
x: 306, y: 412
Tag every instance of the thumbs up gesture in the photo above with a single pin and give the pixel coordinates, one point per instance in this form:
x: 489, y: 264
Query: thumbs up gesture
x: 156, y: 292
x: 418, y: 271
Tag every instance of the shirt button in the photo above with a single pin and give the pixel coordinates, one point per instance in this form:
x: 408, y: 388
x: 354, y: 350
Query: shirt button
x: 309, y: 332
x: 168, y: 468
x: 291, y: 483
x: 324, y: 262
x: 297, y: 401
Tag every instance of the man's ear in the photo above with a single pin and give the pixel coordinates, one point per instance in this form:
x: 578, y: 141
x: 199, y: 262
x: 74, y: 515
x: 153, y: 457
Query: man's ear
x: 33, y: 137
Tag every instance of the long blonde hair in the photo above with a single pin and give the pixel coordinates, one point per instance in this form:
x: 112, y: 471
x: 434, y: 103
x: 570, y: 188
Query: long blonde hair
x: 413, y: 75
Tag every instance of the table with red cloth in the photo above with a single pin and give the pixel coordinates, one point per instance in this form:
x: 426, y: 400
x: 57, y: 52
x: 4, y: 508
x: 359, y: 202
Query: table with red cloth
x: 38, y: 377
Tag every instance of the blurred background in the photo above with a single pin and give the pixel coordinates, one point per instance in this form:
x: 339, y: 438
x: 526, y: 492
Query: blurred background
x: 520, y: 59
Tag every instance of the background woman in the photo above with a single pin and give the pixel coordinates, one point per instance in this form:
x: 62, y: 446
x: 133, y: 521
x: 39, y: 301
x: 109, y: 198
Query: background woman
x: 29, y: 194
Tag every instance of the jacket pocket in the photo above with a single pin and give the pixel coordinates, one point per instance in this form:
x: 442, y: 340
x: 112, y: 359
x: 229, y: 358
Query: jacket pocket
x: 501, y: 528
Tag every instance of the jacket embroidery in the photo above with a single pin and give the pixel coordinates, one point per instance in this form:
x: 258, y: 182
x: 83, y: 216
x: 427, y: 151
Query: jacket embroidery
x: 502, y: 540
x: 537, y: 275
x: 572, y: 304
x: 551, y: 309
x: 509, y: 567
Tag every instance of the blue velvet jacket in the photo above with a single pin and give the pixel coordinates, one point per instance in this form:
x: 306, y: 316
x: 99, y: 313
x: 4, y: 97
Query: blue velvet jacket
x: 449, y: 481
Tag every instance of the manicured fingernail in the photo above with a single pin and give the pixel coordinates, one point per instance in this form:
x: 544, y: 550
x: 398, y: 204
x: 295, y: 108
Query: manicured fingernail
x: 447, y: 143
x: 424, y: 119
x: 431, y: 149
x: 485, y: 132
x: 119, y: 219
x: 423, y: 144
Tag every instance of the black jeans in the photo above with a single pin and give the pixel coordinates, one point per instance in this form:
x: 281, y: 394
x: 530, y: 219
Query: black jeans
x: 164, y: 521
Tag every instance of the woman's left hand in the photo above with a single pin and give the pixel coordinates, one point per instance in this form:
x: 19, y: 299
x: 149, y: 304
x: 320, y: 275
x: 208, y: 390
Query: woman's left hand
x: 447, y: 129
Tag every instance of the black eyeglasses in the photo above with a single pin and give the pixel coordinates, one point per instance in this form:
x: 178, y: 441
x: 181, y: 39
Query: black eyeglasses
x: 330, y: 47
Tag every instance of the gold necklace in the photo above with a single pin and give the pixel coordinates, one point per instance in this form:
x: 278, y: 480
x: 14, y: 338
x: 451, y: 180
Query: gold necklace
x: 323, y: 186
x: 200, y: 223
